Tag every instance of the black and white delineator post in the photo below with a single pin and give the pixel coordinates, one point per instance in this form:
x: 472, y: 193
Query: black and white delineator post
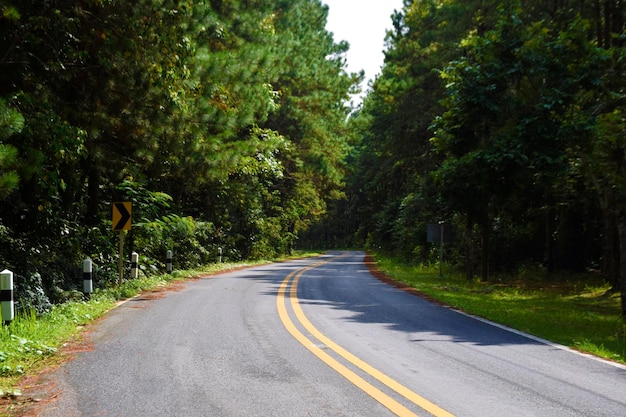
x: 6, y: 296
x: 168, y: 261
x: 219, y: 258
x: 87, y: 277
x: 134, y: 265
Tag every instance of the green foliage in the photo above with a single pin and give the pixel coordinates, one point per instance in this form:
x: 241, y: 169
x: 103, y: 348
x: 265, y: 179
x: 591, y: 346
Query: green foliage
x: 189, y: 240
x: 606, y: 160
x: 11, y: 122
x: 313, y: 88
x: 223, y: 123
x: 490, y: 116
x: 30, y: 294
x: 508, y: 101
x: 394, y: 158
x: 30, y: 338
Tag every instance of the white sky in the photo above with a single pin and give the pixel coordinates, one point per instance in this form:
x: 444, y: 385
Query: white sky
x: 363, y: 23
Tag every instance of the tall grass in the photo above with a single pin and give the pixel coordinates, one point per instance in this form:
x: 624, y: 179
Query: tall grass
x: 29, y: 339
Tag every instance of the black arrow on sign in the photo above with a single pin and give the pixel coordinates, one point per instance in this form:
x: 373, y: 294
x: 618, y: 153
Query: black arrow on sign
x: 125, y: 216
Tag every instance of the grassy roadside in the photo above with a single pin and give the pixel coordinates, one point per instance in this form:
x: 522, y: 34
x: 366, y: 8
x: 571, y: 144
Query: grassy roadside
x: 572, y: 310
x: 30, y: 344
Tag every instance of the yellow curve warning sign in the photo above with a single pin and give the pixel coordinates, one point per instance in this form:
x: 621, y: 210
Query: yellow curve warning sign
x: 121, y: 215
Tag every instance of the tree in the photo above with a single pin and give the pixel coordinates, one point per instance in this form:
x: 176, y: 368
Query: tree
x: 11, y: 122
x: 394, y: 194
x: 233, y: 113
x: 513, y: 108
x: 313, y: 91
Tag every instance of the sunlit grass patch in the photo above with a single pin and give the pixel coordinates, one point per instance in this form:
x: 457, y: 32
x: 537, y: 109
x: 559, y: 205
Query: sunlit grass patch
x: 28, y: 339
x: 574, y: 310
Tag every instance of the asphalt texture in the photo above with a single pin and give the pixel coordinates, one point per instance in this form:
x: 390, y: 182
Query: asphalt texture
x: 217, y: 346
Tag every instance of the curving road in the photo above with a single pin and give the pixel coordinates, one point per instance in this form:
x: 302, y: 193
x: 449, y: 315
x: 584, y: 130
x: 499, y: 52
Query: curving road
x: 321, y: 337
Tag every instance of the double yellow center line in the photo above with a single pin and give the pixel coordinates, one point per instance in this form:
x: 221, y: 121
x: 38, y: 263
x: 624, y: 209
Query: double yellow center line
x: 393, y: 405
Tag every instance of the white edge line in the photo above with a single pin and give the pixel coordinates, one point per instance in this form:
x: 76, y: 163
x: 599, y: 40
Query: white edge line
x: 538, y: 339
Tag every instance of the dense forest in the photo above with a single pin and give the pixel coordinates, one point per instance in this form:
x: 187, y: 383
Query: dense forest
x: 504, y: 120
x: 228, y: 124
x: 223, y: 122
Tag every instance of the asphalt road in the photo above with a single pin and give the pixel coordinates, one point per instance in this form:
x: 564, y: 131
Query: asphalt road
x: 321, y: 337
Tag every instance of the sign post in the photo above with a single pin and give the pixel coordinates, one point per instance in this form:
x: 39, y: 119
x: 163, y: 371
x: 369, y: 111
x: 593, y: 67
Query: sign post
x: 441, y: 250
x: 439, y: 233
x: 120, y: 259
x: 121, y: 217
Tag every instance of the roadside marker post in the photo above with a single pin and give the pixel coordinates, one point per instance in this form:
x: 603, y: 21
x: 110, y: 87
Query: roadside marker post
x: 168, y: 261
x: 120, y: 262
x: 134, y: 265
x: 219, y: 258
x: 87, y: 277
x: 6, y: 296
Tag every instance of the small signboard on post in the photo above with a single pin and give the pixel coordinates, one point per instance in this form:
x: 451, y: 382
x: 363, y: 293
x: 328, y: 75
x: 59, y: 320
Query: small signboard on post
x: 439, y: 233
x: 121, y: 219
x: 434, y: 233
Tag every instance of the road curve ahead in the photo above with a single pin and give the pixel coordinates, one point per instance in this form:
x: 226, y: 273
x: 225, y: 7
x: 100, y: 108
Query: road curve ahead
x: 321, y: 337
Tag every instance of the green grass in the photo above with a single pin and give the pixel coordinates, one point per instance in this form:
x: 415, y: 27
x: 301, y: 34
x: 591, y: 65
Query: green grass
x: 576, y: 310
x: 30, y: 342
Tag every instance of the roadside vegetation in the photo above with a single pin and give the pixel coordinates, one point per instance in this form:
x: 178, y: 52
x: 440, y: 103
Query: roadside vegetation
x: 576, y: 310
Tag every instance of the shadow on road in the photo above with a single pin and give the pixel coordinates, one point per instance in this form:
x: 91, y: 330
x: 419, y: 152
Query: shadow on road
x: 348, y: 287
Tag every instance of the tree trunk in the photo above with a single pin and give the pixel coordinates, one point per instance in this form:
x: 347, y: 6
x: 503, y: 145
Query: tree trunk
x: 469, y: 263
x: 484, y: 256
x: 549, y: 257
x: 617, y: 23
x: 93, y: 194
x: 611, y: 242
x: 621, y: 227
x: 610, y: 266
x: 598, y: 21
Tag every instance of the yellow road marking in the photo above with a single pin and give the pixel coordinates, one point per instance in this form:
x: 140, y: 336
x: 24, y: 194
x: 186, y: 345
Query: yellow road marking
x: 368, y: 388
x: 374, y: 392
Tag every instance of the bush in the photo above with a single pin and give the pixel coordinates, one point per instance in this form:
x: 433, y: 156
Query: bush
x: 30, y: 294
x: 190, y: 241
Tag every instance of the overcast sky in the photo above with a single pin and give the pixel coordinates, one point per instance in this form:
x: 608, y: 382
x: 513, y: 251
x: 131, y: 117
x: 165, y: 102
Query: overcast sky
x: 363, y: 24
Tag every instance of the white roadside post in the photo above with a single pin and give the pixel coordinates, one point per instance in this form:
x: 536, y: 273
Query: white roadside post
x: 87, y: 277
x: 168, y: 261
x: 219, y: 250
x: 6, y: 296
x: 134, y: 265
